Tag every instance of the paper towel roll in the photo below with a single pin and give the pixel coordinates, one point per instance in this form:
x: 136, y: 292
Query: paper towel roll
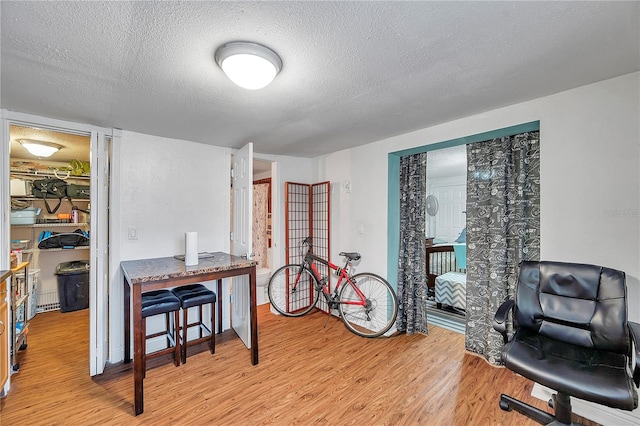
x: 190, y: 248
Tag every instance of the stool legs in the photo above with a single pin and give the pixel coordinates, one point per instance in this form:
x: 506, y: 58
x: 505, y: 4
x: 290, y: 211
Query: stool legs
x: 176, y: 330
x: 191, y: 296
x: 144, y: 348
x: 212, y: 342
x: 171, y: 334
x: 200, y: 324
x: 185, y: 328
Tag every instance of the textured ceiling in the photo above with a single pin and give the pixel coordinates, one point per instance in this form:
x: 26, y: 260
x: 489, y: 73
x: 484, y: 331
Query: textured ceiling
x: 353, y: 72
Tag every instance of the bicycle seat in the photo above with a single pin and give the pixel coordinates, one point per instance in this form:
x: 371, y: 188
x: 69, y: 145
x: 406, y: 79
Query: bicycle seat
x: 350, y: 255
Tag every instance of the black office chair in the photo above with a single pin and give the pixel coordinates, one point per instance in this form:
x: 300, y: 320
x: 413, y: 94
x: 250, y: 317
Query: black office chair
x: 571, y: 334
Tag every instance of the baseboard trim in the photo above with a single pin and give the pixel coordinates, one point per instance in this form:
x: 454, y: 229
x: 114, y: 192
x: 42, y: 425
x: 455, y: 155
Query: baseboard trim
x: 595, y: 412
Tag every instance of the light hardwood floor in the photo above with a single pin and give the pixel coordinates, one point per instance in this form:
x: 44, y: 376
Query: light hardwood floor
x: 308, y: 374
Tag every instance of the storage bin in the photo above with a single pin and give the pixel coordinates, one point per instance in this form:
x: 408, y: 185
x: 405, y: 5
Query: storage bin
x: 25, y: 216
x: 20, y: 188
x: 20, y: 244
x: 73, y: 285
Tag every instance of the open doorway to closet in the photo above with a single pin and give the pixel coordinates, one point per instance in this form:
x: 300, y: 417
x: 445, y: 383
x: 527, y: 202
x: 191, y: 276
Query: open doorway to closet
x: 89, y: 146
x: 35, y: 214
x: 49, y: 231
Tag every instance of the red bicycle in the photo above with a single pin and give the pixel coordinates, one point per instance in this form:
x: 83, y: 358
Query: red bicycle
x: 367, y: 304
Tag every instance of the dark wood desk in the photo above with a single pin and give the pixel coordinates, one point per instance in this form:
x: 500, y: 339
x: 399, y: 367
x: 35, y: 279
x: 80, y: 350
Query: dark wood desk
x: 153, y: 274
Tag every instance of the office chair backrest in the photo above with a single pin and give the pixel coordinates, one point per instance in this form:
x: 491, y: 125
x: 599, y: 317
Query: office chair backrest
x: 585, y: 305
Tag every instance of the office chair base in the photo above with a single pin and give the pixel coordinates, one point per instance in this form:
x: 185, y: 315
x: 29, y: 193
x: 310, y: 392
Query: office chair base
x: 560, y: 403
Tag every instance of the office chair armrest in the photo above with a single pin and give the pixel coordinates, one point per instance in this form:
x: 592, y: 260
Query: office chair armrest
x: 634, y: 330
x: 500, y: 319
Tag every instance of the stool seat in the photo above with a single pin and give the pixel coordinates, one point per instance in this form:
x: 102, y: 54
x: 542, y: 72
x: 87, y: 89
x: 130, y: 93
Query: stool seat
x: 196, y: 295
x: 159, y: 302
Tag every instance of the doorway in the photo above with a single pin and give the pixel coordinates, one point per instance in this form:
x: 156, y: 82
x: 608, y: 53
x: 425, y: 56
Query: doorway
x: 445, y: 222
x: 262, y: 227
x: 96, y: 143
x: 393, y: 204
x: 58, y: 274
x: 32, y: 216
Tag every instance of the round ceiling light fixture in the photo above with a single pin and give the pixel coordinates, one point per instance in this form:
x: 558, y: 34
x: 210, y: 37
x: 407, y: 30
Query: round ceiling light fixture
x: 249, y: 65
x: 39, y: 148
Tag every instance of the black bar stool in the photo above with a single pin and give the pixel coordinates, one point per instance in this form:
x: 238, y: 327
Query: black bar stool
x: 191, y: 296
x: 155, y: 303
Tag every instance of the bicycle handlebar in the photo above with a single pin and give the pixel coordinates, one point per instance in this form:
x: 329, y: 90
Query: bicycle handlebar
x: 305, y: 242
x: 308, y: 243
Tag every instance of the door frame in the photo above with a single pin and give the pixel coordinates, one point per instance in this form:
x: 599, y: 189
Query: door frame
x: 393, y: 188
x: 277, y: 203
x: 98, y: 311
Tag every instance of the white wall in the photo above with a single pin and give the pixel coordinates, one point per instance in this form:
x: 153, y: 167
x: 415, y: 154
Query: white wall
x: 169, y: 187
x: 163, y: 188
x: 362, y: 205
x: 590, y: 184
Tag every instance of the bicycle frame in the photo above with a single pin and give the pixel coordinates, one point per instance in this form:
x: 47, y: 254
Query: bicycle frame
x: 366, y: 302
x: 343, y: 275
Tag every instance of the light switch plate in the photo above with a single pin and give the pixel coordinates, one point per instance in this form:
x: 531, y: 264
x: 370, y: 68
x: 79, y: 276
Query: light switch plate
x: 133, y: 233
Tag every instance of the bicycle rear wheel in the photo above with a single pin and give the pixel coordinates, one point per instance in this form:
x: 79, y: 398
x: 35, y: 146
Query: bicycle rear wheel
x: 293, y: 291
x: 380, y: 310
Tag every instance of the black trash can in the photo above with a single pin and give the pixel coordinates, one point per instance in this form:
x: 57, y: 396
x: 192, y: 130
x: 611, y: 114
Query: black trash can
x: 73, y: 285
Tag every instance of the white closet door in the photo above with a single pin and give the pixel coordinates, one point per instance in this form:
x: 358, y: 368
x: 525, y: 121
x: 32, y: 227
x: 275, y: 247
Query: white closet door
x: 99, y: 273
x: 242, y: 240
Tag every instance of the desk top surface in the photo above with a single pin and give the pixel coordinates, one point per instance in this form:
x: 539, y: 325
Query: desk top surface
x: 163, y: 268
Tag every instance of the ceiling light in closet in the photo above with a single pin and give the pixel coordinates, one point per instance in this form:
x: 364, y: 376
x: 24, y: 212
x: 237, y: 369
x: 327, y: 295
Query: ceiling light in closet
x: 249, y: 65
x: 39, y: 148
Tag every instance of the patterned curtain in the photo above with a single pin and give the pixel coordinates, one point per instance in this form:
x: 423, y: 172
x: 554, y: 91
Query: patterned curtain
x: 503, y: 229
x: 259, y: 227
x: 412, y: 288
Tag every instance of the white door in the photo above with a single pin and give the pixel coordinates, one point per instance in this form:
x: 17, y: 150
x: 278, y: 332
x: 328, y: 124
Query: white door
x: 99, y: 273
x: 450, y: 219
x: 242, y: 239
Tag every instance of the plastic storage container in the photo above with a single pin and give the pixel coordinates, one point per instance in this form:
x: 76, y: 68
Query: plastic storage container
x: 20, y: 244
x: 25, y: 216
x: 20, y: 188
x: 73, y: 285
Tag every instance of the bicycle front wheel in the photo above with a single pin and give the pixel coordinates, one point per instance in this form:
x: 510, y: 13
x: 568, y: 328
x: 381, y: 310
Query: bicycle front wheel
x: 373, y: 316
x: 293, y: 290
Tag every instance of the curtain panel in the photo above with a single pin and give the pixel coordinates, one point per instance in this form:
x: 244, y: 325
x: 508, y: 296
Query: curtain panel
x: 503, y: 229
x: 260, y: 224
x: 412, y: 288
